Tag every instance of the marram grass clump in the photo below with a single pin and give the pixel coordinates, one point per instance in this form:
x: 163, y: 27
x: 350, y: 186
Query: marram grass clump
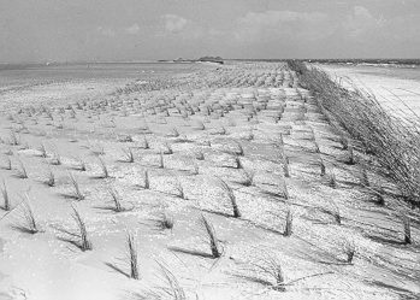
x: 393, y: 140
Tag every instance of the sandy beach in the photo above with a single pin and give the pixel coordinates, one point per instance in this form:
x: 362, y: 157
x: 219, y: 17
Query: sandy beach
x: 396, y: 87
x: 152, y: 150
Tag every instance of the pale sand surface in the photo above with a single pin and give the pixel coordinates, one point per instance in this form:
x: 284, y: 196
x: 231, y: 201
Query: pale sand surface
x: 193, y: 109
x: 394, y: 87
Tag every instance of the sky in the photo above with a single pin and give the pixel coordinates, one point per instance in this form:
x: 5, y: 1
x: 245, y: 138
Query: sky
x: 127, y: 30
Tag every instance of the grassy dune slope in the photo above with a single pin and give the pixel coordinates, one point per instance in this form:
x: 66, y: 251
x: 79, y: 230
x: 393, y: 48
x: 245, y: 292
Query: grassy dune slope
x: 394, y: 141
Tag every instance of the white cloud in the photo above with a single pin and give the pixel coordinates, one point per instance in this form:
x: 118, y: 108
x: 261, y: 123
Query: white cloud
x: 272, y: 25
x: 174, y: 23
x: 361, y: 21
x: 133, y: 29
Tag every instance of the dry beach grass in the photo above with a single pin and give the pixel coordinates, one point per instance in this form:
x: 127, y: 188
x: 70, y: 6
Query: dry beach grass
x: 241, y: 181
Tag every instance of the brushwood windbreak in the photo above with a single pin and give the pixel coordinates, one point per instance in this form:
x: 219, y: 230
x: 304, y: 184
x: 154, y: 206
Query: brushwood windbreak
x: 394, y: 140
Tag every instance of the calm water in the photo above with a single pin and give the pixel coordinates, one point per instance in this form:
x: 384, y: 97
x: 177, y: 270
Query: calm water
x: 30, y: 74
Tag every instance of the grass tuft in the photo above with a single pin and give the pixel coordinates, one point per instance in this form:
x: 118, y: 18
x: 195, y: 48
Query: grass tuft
x: 286, y: 166
x: 161, y: 160
x: 231, y: 196
x: 196, y: 169
x: 84, y: 243
x: 168, y: 149
x: 7, y: 206
x: 269, y: 271
x: 8, y: 165
x: 365, y: 178
x: 50, y: 181
x: 146, y: 184
x: 23, y: 173
x: 288, y: 228
x: 180, y: 190
x: 238, y: 163
x: 322, y: 167
x: 249, y: 178
x: 174, y: 132
x: 43, y: 151
x: 332, y: 181
x: 199, y: 155
x: 56, y: 159
x: 145, y: 143
x: 163, y: 221
x: 29, y: 224
x: 133, y: 254
x: 351, y: 160
x: 128, y: 155
x: 334, y: 211
x: 349, y: 248
x: 81, y: 165
x: 407, y: 229
x: 212, y: 238
x: 116, y: 199
x: 77, y: 194
x: 173, y: 289
x: 286, y: 194
x: 14, y: 139
x: 105, y: 173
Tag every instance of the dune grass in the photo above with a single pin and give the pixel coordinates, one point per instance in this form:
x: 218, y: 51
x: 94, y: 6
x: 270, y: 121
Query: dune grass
x: 77, y: 193
x: 29, y: 223
x: 22, y: 172
x: 116, y: 200
x: 249, y: 178
x: 133, y: 255
x: 163, y: 221
x: 231, y: 196
x: 50, y: 181
x: 84, y: 242
x: 212, y: 238
x: 394, y: 140
x: 128, y: 155
x: 146, y: 180
x: 6, y: 199
x: 407, y: 229
x: 288, y: 228
x: 104, y: 168
x: 8, y: 165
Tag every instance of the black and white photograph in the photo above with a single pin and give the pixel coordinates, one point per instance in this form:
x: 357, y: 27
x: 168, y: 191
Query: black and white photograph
x: 209, y: 149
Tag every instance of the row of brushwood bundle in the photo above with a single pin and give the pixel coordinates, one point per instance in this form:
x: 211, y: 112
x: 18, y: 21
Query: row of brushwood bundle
x: 236, y: 181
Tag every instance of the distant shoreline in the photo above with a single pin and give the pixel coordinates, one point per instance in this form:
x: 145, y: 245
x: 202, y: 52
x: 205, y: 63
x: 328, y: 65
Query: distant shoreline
x: 351, y: 62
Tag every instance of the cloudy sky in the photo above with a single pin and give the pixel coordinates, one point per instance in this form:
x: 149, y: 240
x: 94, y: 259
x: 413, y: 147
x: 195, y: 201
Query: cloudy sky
x: 87, y: 30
